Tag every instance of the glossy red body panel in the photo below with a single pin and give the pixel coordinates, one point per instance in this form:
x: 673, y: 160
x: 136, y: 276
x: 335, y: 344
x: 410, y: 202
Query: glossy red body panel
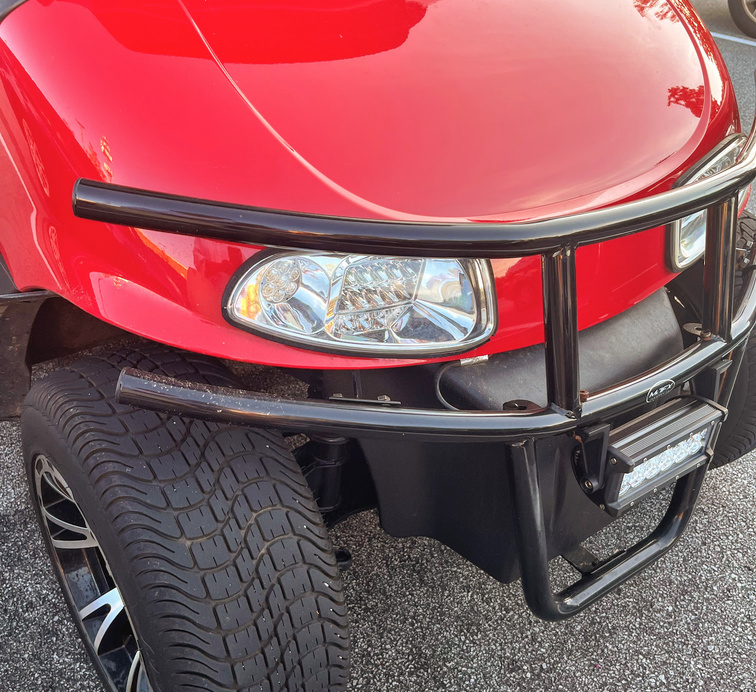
x: 399, y: 109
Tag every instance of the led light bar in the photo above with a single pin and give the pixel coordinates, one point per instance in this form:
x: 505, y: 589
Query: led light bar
x: 693, y: 445
x: 657, y: 449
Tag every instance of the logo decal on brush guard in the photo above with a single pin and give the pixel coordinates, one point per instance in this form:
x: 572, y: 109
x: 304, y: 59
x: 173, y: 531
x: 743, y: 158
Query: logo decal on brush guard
x: 659, y: 390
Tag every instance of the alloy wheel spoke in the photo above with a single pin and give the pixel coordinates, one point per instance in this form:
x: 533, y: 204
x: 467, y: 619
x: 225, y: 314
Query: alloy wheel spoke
x: 111, y: 600
x: 106, y: 626
x: 47, y: 472
x: 62, y: 523
x: 87, y: 540
x: 54, y: 483
x: 137, y: 681
x: 143, y: 684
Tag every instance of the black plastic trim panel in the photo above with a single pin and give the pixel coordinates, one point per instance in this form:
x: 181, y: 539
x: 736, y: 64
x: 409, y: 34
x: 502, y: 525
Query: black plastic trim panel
x: 7, y: 285
x: 7, y: 6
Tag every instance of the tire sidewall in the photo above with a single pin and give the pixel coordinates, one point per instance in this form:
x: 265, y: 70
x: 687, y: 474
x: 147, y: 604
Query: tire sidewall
x: 42, y: 437
x: 742, y: 17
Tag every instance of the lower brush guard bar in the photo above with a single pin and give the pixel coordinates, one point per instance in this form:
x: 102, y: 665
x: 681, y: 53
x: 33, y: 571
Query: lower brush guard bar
x: 215, y: 403
x: 532, y: 541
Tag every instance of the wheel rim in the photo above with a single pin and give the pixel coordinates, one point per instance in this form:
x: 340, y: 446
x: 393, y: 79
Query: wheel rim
x: 88, y: 582
x: 750, y: 8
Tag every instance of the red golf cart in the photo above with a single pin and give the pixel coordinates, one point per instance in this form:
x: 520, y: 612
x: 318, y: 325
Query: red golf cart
x: 501, y: 246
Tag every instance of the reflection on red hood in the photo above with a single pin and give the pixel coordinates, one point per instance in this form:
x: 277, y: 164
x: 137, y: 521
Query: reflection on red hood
x: 296, y: 31
x: 264, y: 33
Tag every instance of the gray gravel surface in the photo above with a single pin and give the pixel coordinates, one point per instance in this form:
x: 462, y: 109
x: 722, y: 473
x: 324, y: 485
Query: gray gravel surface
x: 424, y: 619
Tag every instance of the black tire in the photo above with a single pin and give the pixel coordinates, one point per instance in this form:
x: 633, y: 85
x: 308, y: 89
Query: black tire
x: 738, y: 434
x: 743, y: 13
x: 210, y: 532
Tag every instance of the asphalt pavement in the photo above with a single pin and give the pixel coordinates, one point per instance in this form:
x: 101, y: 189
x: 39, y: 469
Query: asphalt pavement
x: 424, y: 619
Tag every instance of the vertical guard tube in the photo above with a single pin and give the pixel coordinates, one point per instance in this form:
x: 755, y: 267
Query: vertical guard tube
x: 532, y: 540
x: 719, y: 269
x: 561, y: 329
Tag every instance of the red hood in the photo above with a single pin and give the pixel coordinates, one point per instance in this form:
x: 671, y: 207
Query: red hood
x: 375, y: 108
x: 447, y: 108
x: 393, y: 108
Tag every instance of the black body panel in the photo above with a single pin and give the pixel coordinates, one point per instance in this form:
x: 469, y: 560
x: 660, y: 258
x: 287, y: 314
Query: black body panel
x: 460, y: 495
x: 634, y: 341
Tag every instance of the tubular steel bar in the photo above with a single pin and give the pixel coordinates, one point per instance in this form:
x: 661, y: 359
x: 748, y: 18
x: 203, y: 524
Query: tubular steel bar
x: 457, y: 238
x: 532, y: 543
x: 329, y: 417
x: 304, y: 415
x: 561, y: 329
x: 719, y: 269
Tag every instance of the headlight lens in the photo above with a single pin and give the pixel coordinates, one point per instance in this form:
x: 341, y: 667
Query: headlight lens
x: 366, y: 304
x: 688, y: 235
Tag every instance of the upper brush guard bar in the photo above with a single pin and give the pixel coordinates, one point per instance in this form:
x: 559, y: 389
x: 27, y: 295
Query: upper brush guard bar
x: 268, y: 227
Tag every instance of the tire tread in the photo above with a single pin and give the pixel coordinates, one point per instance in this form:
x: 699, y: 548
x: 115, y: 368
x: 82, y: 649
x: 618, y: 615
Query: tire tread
x: 218, y: 530
x: 738, y: 435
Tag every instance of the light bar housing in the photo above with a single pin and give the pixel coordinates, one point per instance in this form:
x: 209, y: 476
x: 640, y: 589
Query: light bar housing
x: 644, y: 440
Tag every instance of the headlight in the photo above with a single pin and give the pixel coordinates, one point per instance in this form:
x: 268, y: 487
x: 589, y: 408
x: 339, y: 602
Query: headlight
x: 688, y: 235
x: 367, y: 304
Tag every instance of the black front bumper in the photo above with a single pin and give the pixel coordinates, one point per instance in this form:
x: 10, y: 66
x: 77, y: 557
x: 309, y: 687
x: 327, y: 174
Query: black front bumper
x: 498, y: 487
x: 499, y: 468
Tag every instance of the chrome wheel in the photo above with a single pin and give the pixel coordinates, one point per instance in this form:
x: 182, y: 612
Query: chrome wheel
x: 89, y: 585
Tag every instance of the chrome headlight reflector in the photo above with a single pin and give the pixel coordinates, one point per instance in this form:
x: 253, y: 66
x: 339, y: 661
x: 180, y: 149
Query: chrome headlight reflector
x: 367, y: 304
x: 688, y: 235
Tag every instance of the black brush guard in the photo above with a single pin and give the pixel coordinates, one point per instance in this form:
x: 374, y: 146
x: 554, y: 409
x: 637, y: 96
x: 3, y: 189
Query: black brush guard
x: 712, y: 362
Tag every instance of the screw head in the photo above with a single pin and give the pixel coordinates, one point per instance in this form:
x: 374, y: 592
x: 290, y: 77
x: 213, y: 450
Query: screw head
x: 613, y: 461
x: 602, y: 507
x: 587, y: 485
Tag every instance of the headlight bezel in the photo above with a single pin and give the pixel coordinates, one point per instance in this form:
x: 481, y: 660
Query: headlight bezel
x: 483, y: 284
x: 693, y: 174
